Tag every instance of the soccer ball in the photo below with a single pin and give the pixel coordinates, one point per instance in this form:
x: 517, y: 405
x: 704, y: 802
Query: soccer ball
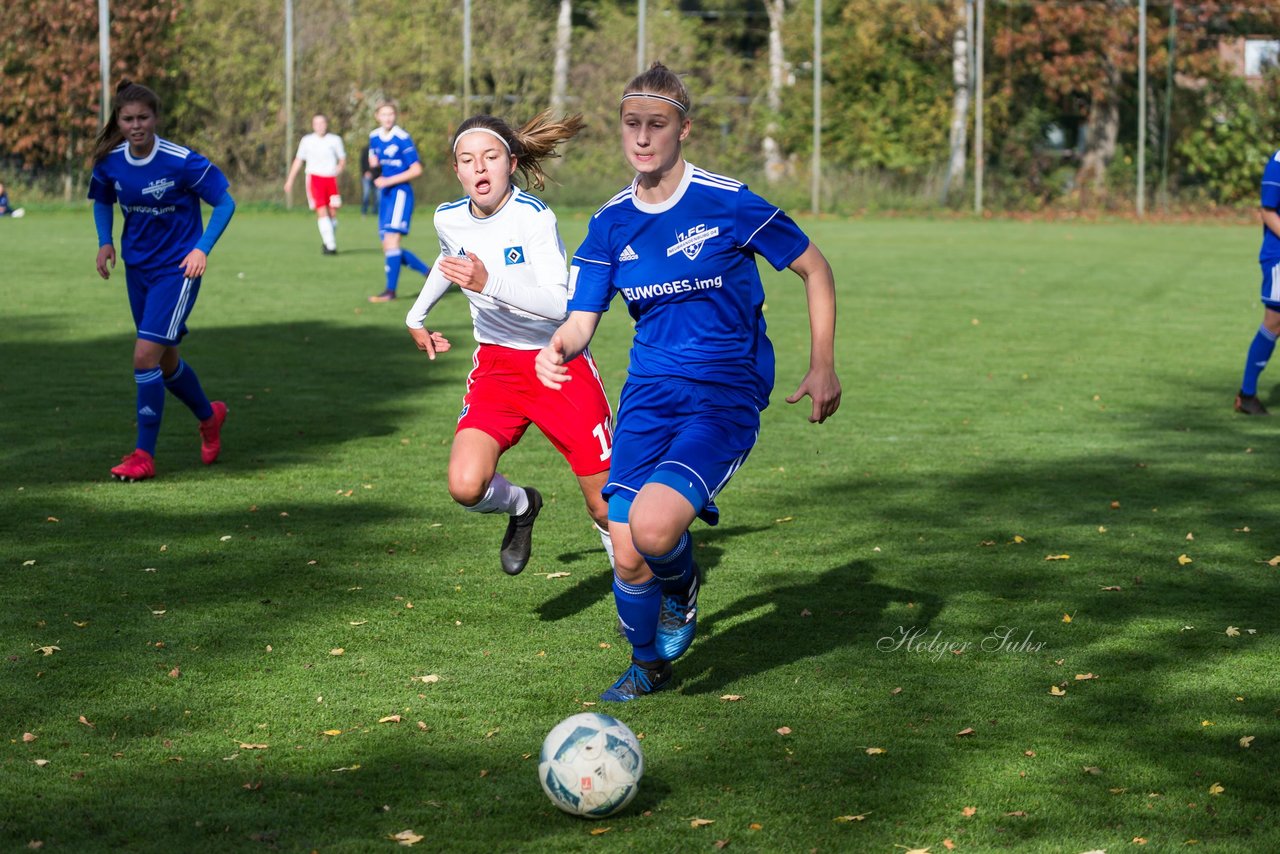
x: 590, y: 765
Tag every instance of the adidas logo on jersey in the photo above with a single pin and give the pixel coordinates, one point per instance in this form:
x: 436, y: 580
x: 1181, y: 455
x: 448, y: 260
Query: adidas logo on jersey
x: 628, y: 254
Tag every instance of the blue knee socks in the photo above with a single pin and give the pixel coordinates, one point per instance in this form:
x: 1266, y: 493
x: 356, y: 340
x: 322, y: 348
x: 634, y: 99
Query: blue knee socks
x: 1263, y: 344
x: 150, y: 407
x: 185, y: 385
x: 675, y: 568
x: 638, y: 606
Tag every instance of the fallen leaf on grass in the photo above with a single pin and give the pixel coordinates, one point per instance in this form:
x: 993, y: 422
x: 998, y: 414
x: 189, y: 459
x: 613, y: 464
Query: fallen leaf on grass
x: 596, y: 831
x: 406, y: 837
x: 701, y: 822
x: 246, y: 746
x: 29, y: 737
x: 949, y: 845
x: 839, y: 818
x: 1057, y: 557
x: 1138, y: 840
x: 1233, y: 632
x: 1216, y: 789
x: 357, y: 622
x: 1111, y: 588
x: 48, y: 650
x: 1206, y: 723
x: 337, y: 651
x: 1183, y: 560
x: 969, y: 812
x: 430, y: 678
x: 1056, y: 691
x: 175, y: 673
x: 1092, y: 769
x: 1017, y: 538
x: 784, y: 519
x: 895, y: 692
x: 755, y: 825
x: 1244, y: 742
x: 28, y: 563
x: 875, y: 751
x: 389, y: 719
x: 783, y: 730
x: 732, y: 698
x: 224, y: 537
x: 79, y: 624
x: 1275, y: 561
x: 332, y: 732
x: 1066, y: 618
x: 551, y: 575
x: 347, y: 768
x: 966, y: 731
x: 85, y: 721
x: 1083, y: 676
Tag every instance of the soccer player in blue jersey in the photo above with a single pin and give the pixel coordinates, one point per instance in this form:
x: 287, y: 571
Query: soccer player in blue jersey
x: 1264, y: 342
x: 164, y: 246
x: 679, y: 244
x: 392, y: 150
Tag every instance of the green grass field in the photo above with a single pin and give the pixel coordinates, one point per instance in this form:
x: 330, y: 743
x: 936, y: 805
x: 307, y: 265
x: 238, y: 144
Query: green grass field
x: 1013, y: 392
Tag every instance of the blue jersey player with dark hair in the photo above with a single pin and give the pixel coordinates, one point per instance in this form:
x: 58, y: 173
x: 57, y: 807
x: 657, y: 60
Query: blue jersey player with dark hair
x: 164, y: 245
x: 391, y: 149
x: 679, y: 244
x: 1264, y: 342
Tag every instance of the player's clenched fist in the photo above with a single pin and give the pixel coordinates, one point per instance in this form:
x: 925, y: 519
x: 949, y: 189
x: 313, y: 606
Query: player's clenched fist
x: 550, y: 364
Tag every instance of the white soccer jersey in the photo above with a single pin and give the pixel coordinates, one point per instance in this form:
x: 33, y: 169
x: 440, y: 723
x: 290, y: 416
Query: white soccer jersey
x: 523, y: 302
x: 322, y: 154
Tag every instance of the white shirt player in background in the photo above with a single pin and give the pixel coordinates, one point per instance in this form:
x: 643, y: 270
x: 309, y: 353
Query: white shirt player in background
x: 500, y: 245
x: 325, y: 158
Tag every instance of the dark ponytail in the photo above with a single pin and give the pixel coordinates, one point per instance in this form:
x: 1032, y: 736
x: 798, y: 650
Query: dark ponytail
x: 127, y: 92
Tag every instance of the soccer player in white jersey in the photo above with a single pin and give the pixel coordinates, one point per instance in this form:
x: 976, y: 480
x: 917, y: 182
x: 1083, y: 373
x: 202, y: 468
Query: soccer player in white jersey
x: 500, y: 245
x: 324, y: 157
x: 165, y: 247
x: 679, y: 244
x: 1264, y: 340
x: 392, y: 150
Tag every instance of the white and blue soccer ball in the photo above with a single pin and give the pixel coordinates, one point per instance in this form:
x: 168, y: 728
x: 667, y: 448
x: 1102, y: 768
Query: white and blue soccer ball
x: 590, y: 765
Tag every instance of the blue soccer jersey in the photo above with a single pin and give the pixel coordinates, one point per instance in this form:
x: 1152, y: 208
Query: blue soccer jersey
x: 394, y: 149
x: 687, y: 270
x: 160, y: 197
x: 1270, y: 193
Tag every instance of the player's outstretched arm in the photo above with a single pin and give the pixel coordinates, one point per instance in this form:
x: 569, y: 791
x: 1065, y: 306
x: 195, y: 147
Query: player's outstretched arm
x: 820, y: 383
x: 569, y: 340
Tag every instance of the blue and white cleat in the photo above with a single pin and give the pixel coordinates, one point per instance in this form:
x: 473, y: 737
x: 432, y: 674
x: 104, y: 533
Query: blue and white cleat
x: 639, y: 679
x: 678, y: 619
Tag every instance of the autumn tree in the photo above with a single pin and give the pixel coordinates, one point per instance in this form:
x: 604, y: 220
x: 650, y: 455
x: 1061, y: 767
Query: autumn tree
x: 51, y: 97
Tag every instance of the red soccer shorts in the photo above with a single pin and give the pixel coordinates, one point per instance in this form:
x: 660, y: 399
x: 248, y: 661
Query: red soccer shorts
x: 322, y: 192
x: 504, y: 397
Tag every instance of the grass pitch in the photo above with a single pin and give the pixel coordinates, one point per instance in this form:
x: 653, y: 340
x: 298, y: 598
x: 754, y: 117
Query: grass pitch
x: 1035, y: 484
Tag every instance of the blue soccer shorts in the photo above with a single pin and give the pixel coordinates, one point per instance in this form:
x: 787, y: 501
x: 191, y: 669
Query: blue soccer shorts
x: 161, y: 302
x: 1271, y: 283
x: 689, y: 437
x: 395, y: 209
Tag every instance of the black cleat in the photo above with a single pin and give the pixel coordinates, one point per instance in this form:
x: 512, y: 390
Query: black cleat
x: 517, y: 543
x: 1248, y: 404
x: 640, y: 679
x: 325, y: 250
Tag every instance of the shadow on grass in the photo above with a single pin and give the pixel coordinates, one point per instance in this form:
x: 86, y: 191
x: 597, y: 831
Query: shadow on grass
x: 294, y: 391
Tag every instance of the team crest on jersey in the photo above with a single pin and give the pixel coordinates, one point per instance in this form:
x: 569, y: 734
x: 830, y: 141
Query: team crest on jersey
x: 513, y: 255
x: 690, y: 242
x: 391, y: 150
x: 157, y: 188
x: 629, y: 254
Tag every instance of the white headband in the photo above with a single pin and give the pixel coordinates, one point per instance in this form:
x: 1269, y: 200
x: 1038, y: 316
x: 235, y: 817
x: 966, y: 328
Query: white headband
x: 672, y: 101
x: 491, y: 133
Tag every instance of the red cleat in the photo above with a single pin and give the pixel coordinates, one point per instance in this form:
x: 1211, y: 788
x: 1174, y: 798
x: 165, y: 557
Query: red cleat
x: 134, y: 467
x: 211, y: 433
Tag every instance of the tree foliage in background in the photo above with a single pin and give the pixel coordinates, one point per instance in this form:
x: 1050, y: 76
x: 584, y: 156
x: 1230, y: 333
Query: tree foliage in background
x: 1226, y: 152
x: 51, y: 92
x: 888, y: 87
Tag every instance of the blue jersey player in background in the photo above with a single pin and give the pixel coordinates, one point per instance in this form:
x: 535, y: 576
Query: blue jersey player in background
x: 679, y: 244
x: 164, y: 246
x: 391, y: 149
x: 1264, y: 342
